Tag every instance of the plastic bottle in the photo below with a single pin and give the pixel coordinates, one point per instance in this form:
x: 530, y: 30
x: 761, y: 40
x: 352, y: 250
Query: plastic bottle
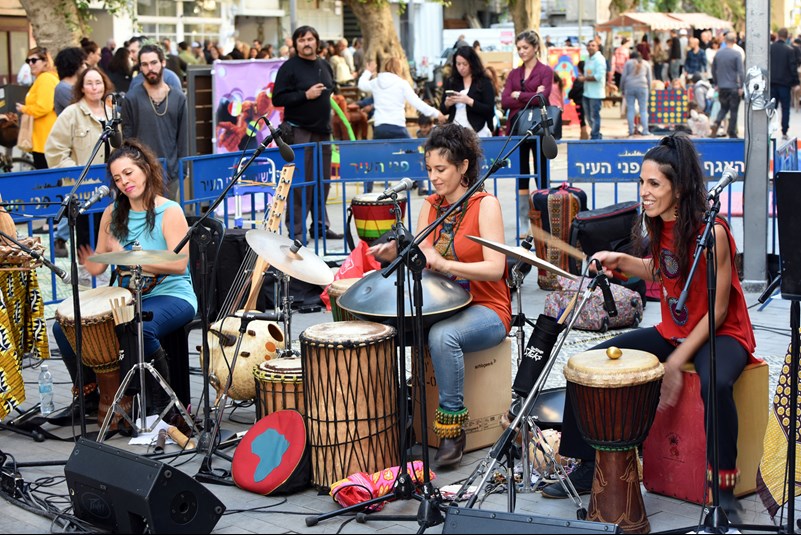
x: 45, y: 391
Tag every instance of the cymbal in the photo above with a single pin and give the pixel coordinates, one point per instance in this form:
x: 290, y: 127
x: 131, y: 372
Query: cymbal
x: 374, y: 298
x: 522, y: 254
x: 292, y: 258
x: 137, y: 258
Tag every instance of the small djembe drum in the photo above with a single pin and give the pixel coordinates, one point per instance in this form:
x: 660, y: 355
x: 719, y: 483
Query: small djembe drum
x: 614, y: 395
x: 335, y: 291
x: 373, y: 217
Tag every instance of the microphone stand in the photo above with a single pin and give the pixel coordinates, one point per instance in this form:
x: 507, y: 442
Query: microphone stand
x: 209, y: 435
x: 70, y: 206
x: 715, y: 519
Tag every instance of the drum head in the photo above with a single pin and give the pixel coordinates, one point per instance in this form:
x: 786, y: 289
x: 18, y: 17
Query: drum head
x: 346, y: 332
x: 595, y: 369
x: 340, y: 286
x: 283, y: 369
x: 94, y: 302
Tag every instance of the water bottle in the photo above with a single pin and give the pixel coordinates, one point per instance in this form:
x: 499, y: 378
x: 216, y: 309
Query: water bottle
x: 45, y: 391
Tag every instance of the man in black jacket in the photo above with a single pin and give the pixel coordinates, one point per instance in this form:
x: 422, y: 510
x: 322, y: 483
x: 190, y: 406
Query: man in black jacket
x: 303, y: 88
x: 783, y: 75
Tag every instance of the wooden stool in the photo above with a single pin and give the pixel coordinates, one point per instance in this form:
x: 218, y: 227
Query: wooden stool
x: 487, y: 395
x: 674, y: 454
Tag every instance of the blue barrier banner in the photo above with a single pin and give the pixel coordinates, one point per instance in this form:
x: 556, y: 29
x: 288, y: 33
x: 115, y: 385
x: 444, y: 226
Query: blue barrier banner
x: 211, y: 173
x: 393, y: 159
x: 616, y: 160
x: 49, y: 186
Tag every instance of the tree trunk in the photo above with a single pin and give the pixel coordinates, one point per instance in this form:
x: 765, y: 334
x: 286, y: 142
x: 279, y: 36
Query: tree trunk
x: 55, y: 23
x: 526, y: 14
x: 381, y: 41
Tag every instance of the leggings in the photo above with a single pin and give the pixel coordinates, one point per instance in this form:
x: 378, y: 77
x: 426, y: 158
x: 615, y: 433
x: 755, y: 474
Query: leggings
x: 731, y: 360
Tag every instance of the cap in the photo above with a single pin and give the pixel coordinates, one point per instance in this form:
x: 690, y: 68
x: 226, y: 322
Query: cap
x: 682, y: 32
x: 195, y: 44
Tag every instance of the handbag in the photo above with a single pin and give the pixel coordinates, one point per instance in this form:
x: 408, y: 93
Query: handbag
x: 529, y: 118
x: 25, y: 135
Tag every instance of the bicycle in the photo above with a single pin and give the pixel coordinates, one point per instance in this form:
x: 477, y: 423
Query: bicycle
x: 9, y: 164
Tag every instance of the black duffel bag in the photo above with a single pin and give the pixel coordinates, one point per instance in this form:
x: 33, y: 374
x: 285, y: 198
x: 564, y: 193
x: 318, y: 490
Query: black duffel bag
x: 603, y: 229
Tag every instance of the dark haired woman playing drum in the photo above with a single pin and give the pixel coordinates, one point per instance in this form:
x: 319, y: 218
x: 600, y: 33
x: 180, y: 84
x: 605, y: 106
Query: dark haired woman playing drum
x: 452, y: 158
x: 674, y: 199
x: 140, y: 213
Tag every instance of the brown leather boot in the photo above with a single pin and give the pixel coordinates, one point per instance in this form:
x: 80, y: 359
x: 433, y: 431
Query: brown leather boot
x: 450, y: 450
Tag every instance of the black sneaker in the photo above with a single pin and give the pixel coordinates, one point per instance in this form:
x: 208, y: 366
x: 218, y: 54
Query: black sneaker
x: 72, y: 413
x: 581, y: 478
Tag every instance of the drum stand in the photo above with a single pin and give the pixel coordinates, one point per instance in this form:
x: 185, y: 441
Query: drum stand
x: 141, y: 366
x: 504, y: 443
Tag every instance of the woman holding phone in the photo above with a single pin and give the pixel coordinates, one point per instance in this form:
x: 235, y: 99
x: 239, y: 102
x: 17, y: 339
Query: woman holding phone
x: 469, y: 94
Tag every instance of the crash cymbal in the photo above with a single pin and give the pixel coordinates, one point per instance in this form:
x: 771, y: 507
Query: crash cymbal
x: 520, y: 253
x: 290, y: 257
x: 137, y: 258
x: 374, y: 298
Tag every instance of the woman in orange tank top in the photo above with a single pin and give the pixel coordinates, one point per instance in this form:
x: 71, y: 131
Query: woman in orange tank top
x: 452, y: 155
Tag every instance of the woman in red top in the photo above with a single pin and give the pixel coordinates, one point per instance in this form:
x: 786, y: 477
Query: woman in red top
x: 674, y: 199
x: 452, y: 154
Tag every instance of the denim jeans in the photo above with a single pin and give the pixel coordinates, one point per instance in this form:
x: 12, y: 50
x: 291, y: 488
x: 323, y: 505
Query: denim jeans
x: 473, y: 329
x: 592, y: 111
x: 169, y: 314
x: 640, y: 96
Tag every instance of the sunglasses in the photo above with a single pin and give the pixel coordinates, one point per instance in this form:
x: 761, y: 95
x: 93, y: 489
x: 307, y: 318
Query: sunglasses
x: 31, y: 61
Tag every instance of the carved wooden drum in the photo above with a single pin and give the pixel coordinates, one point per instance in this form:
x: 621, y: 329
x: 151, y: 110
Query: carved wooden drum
x: 279, y: 386
x: 335, y: 291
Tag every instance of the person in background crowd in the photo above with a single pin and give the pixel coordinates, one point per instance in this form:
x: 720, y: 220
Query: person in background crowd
x: 557, y: 97
x: 119, y: 70
x: 197, y: 52
x: 675, y: 55
x: 522, y: 84
x: 711, y: 50
x: 424, y: 127
x: 659, y: 57
x: 469, y: 93
x: 156, y: 113
x: 452, y: 160
x: 303, y: 87
x: 358, y: 55
x: 674, y: 192
x: 695, y: 61
x: 174, y: 61
x: 343, y: 74
x: 477, y: 46
x: 92, y: 52
x: 594, y: 88
x: 390, y: 95
x: 107, y: 53
x: 728, y: 73
x: 69, y: 62
x: 576, y: 94
x: 24, y: 76
x: 40, y: 101
x: 783, y: 75
x: 619, y: 59
x: 644, y: 48
x: 635, y: 84
x: 701, y: 93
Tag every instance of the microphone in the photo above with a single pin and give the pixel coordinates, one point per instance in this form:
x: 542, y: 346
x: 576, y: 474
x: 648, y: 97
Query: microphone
x: 286, y: 151
x: 729, y: 176
x: 99, y: 193
x: 549, y: 148
x: 609, y: 299
x: 404, y: 185
x: 764, y: 296
x: 60, y: 273
x: 265, y: 316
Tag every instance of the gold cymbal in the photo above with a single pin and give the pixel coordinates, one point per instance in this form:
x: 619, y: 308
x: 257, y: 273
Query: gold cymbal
x: 520, y: 253
x: 292, y: 258
x: 137, y: 258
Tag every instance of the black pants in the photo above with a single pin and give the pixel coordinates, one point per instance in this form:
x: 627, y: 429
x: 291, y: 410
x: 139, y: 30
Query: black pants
x: 39, y: 160
x: 301, y: 207
x: 729, y: 102
x: 731, y: 360
x: 525, y: 167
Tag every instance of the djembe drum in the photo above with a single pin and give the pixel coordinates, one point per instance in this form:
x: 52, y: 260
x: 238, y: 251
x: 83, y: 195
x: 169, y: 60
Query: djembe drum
x: 373, y: 217
x: 614, y: 399
x: 100, y: 346
x: 279, y: 386
x: 350, y: 388
x: 335, y: 291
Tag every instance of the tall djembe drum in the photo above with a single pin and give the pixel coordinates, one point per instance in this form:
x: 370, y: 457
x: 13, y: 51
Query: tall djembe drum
x: 614, y: 395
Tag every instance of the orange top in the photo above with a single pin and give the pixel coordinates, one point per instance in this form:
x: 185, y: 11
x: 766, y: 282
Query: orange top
x: 491, y: 294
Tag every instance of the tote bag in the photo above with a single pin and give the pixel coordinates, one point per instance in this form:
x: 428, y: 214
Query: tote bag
x: 25, y: 136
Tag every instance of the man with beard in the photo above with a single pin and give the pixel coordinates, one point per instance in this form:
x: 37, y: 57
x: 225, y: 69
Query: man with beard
x: 303, y: 88
x: 154, y: 112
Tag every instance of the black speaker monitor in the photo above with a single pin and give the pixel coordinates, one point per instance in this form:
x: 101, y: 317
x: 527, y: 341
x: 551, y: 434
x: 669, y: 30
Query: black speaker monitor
x: 458, y: 520
x: 787, y: 192
x: 124, y: 493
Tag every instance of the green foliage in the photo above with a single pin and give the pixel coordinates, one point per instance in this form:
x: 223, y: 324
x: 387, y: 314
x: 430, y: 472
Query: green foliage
x: 114, y: 8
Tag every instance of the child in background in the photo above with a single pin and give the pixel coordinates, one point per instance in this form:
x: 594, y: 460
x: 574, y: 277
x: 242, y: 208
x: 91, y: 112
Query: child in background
x: 697, y: 121
x: 576, y: 94
x: 425, y: 126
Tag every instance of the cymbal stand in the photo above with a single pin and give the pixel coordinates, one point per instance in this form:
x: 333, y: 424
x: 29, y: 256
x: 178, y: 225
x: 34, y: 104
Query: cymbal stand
x: 286, y: 304
x: 141, y: 366
x: 485, y: 467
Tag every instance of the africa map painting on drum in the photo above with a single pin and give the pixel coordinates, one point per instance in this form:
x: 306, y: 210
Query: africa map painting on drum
x: 242, y: 92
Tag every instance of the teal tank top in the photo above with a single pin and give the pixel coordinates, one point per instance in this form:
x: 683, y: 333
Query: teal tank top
x: 179, y: 286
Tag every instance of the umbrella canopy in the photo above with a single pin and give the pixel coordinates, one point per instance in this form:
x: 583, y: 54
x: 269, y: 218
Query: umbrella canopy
x: 663, y: 21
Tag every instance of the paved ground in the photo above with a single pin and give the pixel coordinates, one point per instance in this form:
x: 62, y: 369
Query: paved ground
x: 286, y: 515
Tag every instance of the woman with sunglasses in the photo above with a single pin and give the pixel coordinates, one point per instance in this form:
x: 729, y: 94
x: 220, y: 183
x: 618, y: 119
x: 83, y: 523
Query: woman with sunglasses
x: 530, y: 78
x: 40, y: 101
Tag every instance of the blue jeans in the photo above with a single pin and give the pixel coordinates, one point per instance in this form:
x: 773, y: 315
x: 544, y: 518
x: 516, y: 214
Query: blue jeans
x: 782, y: 95
x: 169, y: 314
x: 592, y: 112
x: 640, y: 96
x: 473, y: 329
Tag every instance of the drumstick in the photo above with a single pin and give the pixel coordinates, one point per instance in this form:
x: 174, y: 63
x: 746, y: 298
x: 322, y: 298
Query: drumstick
x: 541, y: 235
x: 568, y: 309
